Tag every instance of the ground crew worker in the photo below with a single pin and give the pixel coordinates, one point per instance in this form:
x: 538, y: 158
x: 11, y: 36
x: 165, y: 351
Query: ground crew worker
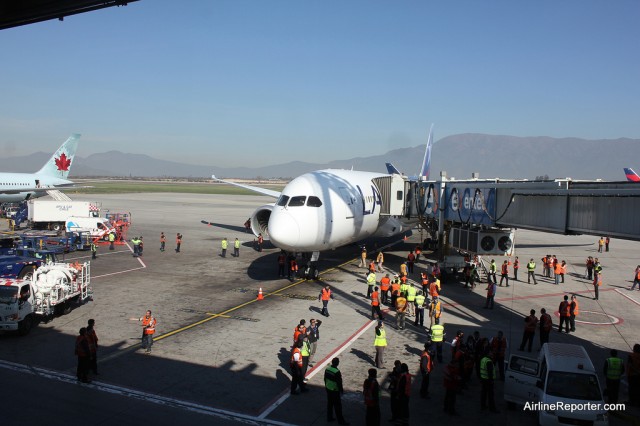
x: 434, y: 286
x: 425, y: 282
x: 305, y: 352
x: 178, y: 242
x: 636, y: 278
x: 380, y: 344
x: 395, y: 290
x: 573, y: 312
x: 385, y: 284
x: 546, y: 324
x: 325, y: 295
x: 82, y: 351
x: 563, y: 271
x: 437, y: 337
x: 371, y: 282
x: 411, y: 299
x: 236, y: 248
x: 403, y: 269
x: 371, y: 392
x: 487, y: 378
x: 94, y: 250
x: 597, y: 282
x: 401, y: 307
x: 297, y: 379
x: 516, y: 266
x: 314, y: 337
x: 293, y: 267
x: 613, y: 371
x: 546, y: 272
x: 435, y: 310
x: 426, y: 365
x: 597, y: 267
x: 498, y: 347
x: 504, y: 273
x: 375, y: 304
x: 112, y: 240
x: 333, y: 385
x: 404, y: 286
x: 282, y: 260
x: 565, y: 313
x: 404, y: 393
x: 420, y: 300
x: 92, y: 339
x: 224, y: 244
x: 493, y: 269
x: 557, y: 271
x: 411, y: 258
x: 363, y: 258
x: 260, y: 241
x: 600, y: 244
x: 633, y: 375
x: 136, y: 246
x: 531, y: 272
x: 491, y: 294
x: 530, y: 324
x: 418, y: 252
x: 452, y: 381
x: 163, y: 241
x: 140, y: 247
x: 380, y: 261
x: 148, y: 330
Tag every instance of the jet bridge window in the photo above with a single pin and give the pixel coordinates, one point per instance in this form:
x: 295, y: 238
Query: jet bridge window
x: 282, y: 201
x: 314, y: 202
x: 297, y: 201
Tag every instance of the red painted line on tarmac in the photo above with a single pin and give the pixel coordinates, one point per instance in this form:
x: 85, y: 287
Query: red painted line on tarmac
x: 282, y: 396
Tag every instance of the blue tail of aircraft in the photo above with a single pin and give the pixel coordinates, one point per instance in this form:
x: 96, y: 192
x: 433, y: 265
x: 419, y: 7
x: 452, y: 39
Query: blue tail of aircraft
x: 60, y: 162
x: 391, y: 169
x: 631, y: 175
x: 426, y: 161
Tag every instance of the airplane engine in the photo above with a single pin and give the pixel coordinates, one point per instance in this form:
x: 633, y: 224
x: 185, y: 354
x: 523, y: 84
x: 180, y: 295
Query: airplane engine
x: 260, y: 220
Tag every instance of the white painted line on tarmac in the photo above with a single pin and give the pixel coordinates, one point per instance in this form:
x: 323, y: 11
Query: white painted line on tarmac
x: 126, y: 270
x: 617, y: 290
x: 143, y: 396
x: 318, y: 367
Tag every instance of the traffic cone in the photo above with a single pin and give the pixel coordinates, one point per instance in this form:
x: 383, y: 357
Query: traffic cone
x: 405, y: 238
x: 260, y: 296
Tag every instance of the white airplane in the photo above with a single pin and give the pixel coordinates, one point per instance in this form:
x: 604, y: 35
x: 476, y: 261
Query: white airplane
x: 16, y: 187
x: 327, y: 209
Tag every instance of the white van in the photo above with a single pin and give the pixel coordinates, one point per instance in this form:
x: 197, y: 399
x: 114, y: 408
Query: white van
x: 561, y: 385
x: 97, y: 226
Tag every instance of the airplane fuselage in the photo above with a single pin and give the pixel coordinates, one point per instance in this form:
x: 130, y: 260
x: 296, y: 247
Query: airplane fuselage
x: 326, y: 209
x: 16, y: 187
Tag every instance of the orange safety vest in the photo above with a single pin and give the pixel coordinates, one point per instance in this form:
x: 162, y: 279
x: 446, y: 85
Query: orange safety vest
x: 505, y: 269
x: 385, y: 282
x: 575, y: 308
x: 411, y: 257
x: 418, y: 250
x: 407, y: 383
x: 403, y: 279
x: 516, y: 264
x: 368, y: 391
x: 599, y: 280
x: 395, y: 287
x: 433, y: 290
x: 531, y: 323
x: 326, y: 294
x: 150, y: 326
x: 293, y: 361
x: 564, y: 309
x: 425, y: 354
x: 163, y: 239
x: 294, y: 266
x: 558, y: 269
x: 638, y: 274
x: 374, y: 299
x: 546, y: 322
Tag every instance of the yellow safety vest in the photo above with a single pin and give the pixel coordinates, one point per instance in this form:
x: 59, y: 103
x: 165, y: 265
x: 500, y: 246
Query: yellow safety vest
x: 437, y: 333
x: 411, y: 294
x: 381, y: 340
x: 484, y: 371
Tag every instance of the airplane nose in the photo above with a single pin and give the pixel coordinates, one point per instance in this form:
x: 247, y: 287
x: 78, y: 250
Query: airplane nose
x: 284, y: 231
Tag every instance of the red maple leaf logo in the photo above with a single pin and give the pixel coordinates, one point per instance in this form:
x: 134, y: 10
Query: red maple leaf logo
x: 63, y: 163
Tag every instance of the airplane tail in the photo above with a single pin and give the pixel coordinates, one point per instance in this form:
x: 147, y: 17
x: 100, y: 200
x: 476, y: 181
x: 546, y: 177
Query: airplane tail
x: 59, y: 164
x: 391, y: 169
x: 426, y: 161
x: 631, y: 175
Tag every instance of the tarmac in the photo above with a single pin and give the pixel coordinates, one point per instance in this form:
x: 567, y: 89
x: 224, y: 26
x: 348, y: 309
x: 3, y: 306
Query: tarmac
x: 221, y: 356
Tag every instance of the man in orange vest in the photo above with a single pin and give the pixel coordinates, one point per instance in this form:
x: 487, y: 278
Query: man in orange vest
x: 426, y: 365
x: 385, y: 284
x: 597, y: 282
x: 371, y: 392
x: 178, y: 242
x: 83, y: 353
x: 498, y: 347
x: 557, y: 270
x: 92, y: 339
x: 404, y: 392
x: 148, y: 330
x: 565, y: 313
x: 516, y: 266
x: 411, y: 258
x: 297, y: 380
x: 375, y: 304
x: 546, y: 324
x: 325, y: 295
x: 504, y: 273
x: 573, y: 312
x: 530, y: 324
x: 636, y: 279
x: 395, y: 290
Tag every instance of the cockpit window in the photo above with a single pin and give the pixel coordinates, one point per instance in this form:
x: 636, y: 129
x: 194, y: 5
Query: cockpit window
x: 297, y: 201
x: 314, y: 201
x: 282, y: 201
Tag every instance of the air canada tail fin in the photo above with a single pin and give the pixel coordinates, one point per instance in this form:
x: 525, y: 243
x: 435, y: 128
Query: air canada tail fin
x: 426, y: 161
x: 391, y: 169
x: 631, y: 175
x: 60, y: 162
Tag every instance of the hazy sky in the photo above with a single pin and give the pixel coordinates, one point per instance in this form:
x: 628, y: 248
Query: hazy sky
x: 233, y: 82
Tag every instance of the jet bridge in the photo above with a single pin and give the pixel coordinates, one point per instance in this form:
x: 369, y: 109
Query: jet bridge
x: 561, y: 206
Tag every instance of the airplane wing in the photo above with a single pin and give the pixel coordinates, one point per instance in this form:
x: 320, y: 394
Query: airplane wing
x: 263, y: 191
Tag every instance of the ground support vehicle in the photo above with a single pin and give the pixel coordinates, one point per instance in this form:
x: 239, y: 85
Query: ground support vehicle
x: 50, y: 291
x: 14, y: 266
x: 53, y: 214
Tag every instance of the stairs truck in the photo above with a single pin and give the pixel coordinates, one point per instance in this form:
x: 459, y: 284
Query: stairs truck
x: 53, y: 214
x: 50, y: 291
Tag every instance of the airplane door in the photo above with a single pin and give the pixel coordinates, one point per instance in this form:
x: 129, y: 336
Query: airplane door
x: 521, y: 376
x: 350, y: 202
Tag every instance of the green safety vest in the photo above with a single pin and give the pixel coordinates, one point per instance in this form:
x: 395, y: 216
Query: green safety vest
x: 411, y: 294
x: 404, y: 288
x: 329, y: 383
x: 112, y: 237
x: 305, y: 350
x: 531, y: 266
x: 371, y: 279
x: 420, y: 300
x: 484, y: 371
x: 614, y: 368
x: 224, y: 244
x: 493, y: 267
x: 236, y: 244
x: 93, y: 247
x: 136, y: 242
x: 437, y: 333
x: 381, y: 340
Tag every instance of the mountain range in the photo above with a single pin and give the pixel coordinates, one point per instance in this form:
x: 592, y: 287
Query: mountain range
x: 507, y: 157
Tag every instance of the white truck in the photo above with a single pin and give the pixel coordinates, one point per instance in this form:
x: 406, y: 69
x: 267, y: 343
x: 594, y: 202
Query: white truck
x: 561, y: 384
x: 52, y: 214
x: 98, y: 227
x: 50, y: 291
